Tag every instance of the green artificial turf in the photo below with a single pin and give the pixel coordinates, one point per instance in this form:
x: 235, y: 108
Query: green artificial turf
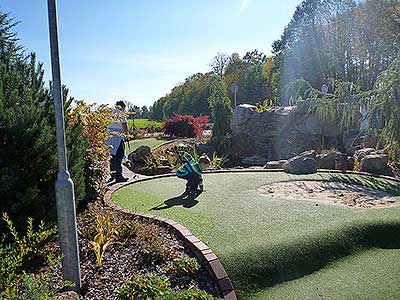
x: 143, y: 123
x: 151, y: 142
x: 282, y: 249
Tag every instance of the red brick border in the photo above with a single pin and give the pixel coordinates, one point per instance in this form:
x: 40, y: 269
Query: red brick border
x: 201, y: 250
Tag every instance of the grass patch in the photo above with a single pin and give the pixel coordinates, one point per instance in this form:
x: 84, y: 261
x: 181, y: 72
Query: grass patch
x: 151, y: 142
x: 143, y: 123
x: 266, y: 243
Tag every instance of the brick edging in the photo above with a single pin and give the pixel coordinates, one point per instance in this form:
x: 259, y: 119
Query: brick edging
x: 200, y: 249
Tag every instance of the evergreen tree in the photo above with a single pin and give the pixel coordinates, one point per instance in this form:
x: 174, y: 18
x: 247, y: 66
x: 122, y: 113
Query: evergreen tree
x: 220, y: 105
x: 28, y: 154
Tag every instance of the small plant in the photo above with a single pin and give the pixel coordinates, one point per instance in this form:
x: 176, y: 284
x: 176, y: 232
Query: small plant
x: 151, y: 245
x: 356, y: 165
x: 151, y: 165
x: 182, y: 266
x: 106, y: 234
x: 173, y: 159
x: 19, y: 250
x: 37, y: 287
x: 145, y: 287
x: 192, y: 150
x: 267, y: 104
x: 217, y: 162
x: 188, y: 295
x: 129, y: 228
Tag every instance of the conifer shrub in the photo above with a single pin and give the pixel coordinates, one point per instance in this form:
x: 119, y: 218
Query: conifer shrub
x: 220, y: 105
x: 28, y: 152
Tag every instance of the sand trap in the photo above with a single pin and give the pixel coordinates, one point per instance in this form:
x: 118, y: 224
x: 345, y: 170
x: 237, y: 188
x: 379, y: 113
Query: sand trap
x: 336, y: 192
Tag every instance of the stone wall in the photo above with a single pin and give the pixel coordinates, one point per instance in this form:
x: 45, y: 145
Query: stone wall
x: 284, y: 132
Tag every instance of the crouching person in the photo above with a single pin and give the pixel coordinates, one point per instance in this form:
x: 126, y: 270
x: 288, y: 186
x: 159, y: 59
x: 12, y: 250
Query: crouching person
x: 192, y: 172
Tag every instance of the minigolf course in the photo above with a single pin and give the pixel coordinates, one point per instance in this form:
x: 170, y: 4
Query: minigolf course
x: 280, y: 236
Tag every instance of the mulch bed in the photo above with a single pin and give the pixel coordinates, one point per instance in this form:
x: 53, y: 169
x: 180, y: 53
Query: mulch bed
x: 125, y: 258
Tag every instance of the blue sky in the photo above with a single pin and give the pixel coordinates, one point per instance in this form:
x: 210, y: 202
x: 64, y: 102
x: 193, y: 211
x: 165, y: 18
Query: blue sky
x: 137, y: 50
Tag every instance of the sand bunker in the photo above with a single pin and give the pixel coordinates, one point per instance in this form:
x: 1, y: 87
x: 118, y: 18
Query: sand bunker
x: 335, y: 192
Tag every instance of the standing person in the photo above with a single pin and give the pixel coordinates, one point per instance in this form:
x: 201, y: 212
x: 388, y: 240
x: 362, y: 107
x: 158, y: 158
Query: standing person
x: 116, y: 141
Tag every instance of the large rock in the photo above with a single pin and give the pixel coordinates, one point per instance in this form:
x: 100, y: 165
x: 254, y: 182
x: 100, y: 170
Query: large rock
x: 281, y: 133
x: 254, y: 161
x: 238, y: 146
x: 275, y: 164
x: 376, y: 164
x: 352, y: 141
x: 205, y: 149
x: 140, y: 154
x: 302, y: 164
x: 360, y: 154
x: 342, y: 162
x: 327, y: 160
x: 309, y: 153
x: 163, y: 170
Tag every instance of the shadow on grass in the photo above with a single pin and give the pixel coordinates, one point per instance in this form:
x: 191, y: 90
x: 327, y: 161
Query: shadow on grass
x: 385, y: 185
x: 187, y: 200
x: 391, y: 187
x: 259, y: 267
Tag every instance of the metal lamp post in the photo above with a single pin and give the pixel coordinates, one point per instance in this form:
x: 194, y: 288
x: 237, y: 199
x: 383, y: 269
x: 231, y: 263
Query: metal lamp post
x: 65, y: 198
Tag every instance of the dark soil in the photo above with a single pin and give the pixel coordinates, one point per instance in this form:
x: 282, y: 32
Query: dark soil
x: 125, y: 257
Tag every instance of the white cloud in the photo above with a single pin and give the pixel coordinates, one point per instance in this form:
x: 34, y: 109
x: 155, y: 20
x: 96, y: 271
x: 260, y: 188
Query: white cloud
x: 244, y: 4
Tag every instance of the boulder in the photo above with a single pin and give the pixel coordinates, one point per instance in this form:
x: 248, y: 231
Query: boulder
x: 360, y: 154
x: 327, y: 160
x: 352, y: 140
x: 164, y: 162
x: 376, y: 164
x: 163, y: 170
x: 242, y: 114
x: 254, y: 161
x: 342, y: 163
x: 205, y: 149
x: 238, y: 146
x: 275, y: 164
x: 302, y: 164
x: 309, y: 153
x: 140, y: 154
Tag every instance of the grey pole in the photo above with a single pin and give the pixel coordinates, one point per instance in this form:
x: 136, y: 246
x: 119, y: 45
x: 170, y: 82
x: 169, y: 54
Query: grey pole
x: 234, y: 90
x: 66, y: 214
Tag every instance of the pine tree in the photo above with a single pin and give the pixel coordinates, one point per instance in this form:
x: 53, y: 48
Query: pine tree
x: 28, y: 154
x: 220, y: 105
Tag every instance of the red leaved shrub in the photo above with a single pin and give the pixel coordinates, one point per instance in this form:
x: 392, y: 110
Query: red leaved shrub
x: 185, y: 125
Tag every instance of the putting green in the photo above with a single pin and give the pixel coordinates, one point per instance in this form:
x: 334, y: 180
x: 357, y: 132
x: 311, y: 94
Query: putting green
x: 284, y: 249
x: 151, y: 142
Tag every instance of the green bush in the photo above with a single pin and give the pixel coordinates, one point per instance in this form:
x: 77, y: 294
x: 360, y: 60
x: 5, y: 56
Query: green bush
x: 17, y: 251
x: 152, y: 287
x: 28, y: 154
x: 147, y: 287
x: 182, y: 266
x: 152, y: 247
x: 220, y: 105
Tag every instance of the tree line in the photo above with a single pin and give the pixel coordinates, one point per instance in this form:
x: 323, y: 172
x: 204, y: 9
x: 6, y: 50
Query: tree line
x: 325, y: 41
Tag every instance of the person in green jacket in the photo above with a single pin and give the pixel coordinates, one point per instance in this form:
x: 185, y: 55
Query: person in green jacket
x: 192, y: 171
